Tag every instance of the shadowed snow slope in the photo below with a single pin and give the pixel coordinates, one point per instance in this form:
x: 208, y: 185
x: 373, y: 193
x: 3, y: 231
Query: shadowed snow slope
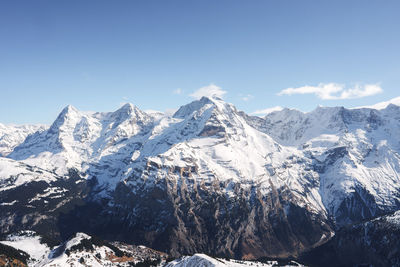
x: 13, y: 135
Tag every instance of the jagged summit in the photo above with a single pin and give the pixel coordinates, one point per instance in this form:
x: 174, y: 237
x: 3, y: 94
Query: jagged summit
x: 68, y: 115
x: 382, y: 106
x: 127, y: 106
x: 201, y: 105
x: 68, y: 109
x: 77, y: 137
x: 128, y: 110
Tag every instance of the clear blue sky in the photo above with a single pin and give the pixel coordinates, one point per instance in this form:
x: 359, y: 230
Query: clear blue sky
x: 98, y: 54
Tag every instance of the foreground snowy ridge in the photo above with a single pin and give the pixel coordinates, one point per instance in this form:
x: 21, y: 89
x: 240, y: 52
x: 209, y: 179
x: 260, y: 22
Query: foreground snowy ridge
x: 80, y: 250
x: 203, y: 260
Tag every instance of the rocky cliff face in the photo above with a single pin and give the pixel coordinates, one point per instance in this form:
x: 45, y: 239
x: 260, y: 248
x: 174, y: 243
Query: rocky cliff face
x: 372, y: 243
x: 208, y: 179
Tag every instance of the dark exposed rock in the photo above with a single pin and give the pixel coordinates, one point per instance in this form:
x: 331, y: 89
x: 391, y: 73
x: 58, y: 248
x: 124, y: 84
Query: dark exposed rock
x: 186, y: 221
x: 10, y: 256
x: 36, y: 209
x: 371, y: 243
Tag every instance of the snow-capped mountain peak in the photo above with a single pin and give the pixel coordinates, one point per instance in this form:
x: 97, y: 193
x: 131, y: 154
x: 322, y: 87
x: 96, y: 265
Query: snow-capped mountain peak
x: 210, y: 173
x: 129, y: 112
x: 68, y: 118
x: 192, y: 107
x: 13, y: 135
x: 78, y: 137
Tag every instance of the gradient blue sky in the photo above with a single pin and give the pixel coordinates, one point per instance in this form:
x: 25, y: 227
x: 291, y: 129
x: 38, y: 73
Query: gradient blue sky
x: 97, y: 54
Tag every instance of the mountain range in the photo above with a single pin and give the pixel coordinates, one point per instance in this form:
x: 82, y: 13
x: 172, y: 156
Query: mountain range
x: 211, y: 179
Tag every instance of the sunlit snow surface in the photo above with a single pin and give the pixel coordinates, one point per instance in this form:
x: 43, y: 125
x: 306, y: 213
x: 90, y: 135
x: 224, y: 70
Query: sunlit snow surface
x: 320, y: 157
x: 202, y: 260
x: 13, y: 135
x: 393, y: 219
x: 14, y: 173
x: 30, y: 243
x: 42, y: 256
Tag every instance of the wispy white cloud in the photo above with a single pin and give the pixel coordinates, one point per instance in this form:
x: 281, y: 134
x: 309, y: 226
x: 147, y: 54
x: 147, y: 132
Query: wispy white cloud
x: 361, y: 91
x: 177, y: 91
x: 263, y: 112
x: 334, y: 91
x: 211, y: 90
x: 247, y: 97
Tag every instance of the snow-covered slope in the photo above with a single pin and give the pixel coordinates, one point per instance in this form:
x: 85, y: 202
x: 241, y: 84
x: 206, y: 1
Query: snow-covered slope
x: 202, y: 260
x: 13, y: 135
x: 82, y: 250
x: 207, y: 135
x: 76, y: 252
x: 87, y: 142
x: 30, y: 243
x: 209, y: 140
x: 355, y: 151
x: 207, y: 179
x: 15, y: 173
